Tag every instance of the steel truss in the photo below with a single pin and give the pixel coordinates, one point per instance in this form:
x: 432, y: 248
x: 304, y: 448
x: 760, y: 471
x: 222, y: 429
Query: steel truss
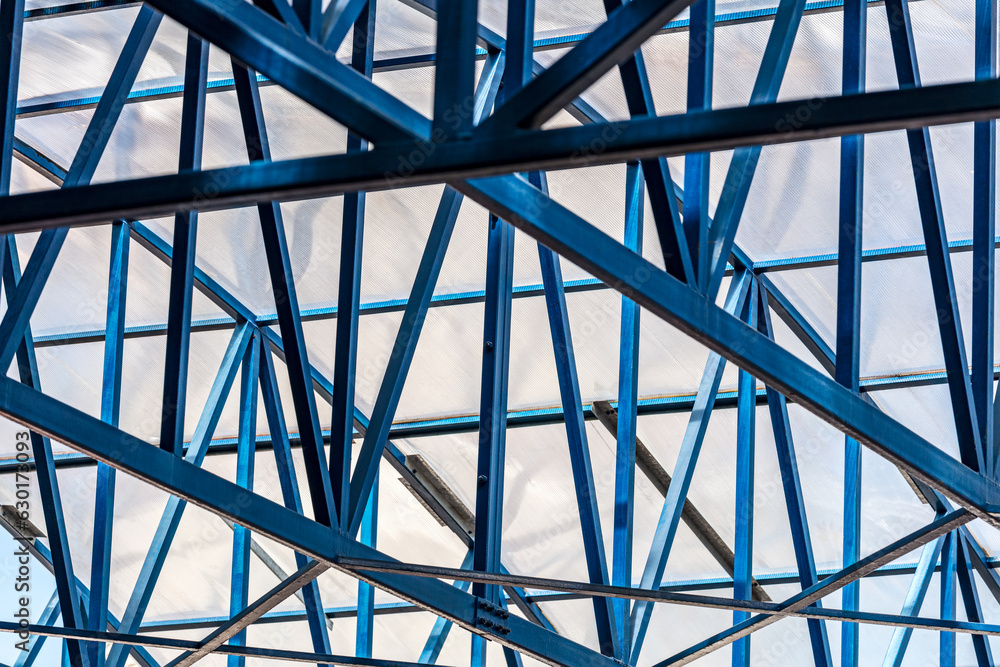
x: 497, y: 156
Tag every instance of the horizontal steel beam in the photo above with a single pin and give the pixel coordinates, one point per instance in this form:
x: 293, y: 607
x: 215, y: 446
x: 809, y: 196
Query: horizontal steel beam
x: 392, y: 166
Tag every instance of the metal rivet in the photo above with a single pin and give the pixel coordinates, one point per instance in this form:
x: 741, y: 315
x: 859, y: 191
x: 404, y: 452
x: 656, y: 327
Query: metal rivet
x: 488, y: 346
x: 482, y: 480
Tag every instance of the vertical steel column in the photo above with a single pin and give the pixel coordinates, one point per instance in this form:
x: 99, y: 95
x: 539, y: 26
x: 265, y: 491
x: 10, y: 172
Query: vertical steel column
x: 11, y: 29
x: 746, y: 425
x: 182, y: 269
x: 349, y: 296
x: 936, y: 240
x: 628, y: 395
x: 287, y: 304
x: 849, y: 305
x: 913, y: 601
x: 167, y: 527
x: 377, y: 433
x: 493, y: 414
x: 48, y: 482
x: 313, y: 602
x: 687, y: 459
x: 104, y: 509
x: 983, y: 234
x: 949, y: 563
x: 366, y: 592
x: 310, y: 15
x: 701, y: 50
x: 970, y: 597
x: 454, y: 68
x: 239, y: 587
x: 794, y: 502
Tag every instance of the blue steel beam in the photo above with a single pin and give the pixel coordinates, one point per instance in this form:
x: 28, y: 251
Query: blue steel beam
x: 185, y: 235
x: 794, y: 502
x: 579, y: 449
x: 935, y: 236
x: 402, y: 354
x: 312, y: 74
x: 239, y: 587
x: 104, y: 504
x: 743, y: 165
x: 376, y: 434
x: 454, y: 68
x: 673, y: 504
x: 495, y: 364
x: 44, y: 556
x: 493, y: 408
x: 167, y: 527
x: 11, y: 30
x: 22, y: 303
x: 286, y: 303
x: 850, y: 246
x: 694, y: 315
x: 367, y: 535
x: 310, y: 13
x: 281, y: 10
x: 338, y: 19
x: 825, y: 587
x: 746, y: 433
x: 701, y: 58
x: 970, y: 598
x: 349, y: 294
x: 45, y: 472
x: 913, y: 601
x: 487, y: 155
x: 285, y: 465
x: 625, y: 432
x: 983, y: 233
x: 949, y: 562
x: 189, y: 483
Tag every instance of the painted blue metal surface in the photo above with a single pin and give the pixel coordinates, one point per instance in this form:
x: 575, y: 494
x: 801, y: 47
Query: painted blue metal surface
x: 167, y: 527
x: 239, y: 586
x: 104, y: 510
x: 850, y: 247
x: 935, y: 236
x: 628, y: 404
x: 182, y: 269
x: 673, y: 504
x: 746, y: 434
x: 349, y: 288
x: 794, y: 502
x: 914, y: 599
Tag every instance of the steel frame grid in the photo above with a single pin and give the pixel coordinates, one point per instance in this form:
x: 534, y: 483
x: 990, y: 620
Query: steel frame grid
x: 290, y: 44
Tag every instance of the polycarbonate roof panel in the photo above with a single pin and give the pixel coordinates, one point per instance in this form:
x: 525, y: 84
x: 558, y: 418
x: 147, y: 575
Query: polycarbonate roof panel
x: 788, y: 226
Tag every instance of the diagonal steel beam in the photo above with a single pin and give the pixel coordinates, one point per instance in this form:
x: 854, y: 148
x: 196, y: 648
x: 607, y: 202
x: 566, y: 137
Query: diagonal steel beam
x: 251, y: 613
x: 646, y: 462
x: 190, y: 483
x: 611, y: 43
x: 814, y: 593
